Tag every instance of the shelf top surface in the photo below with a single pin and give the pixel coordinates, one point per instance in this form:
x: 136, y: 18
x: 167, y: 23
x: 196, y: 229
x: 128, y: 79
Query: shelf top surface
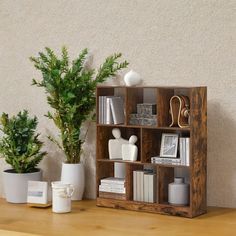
x: 149, y: 86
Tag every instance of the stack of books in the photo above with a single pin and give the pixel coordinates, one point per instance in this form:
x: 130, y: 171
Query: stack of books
x: 112, y: 187
x: 184, y: 144
x: 111, y: 110
x: 166, y: 160
x: 144, y: 186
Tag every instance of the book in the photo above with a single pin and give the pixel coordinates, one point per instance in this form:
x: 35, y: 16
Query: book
x: 111, y: 189
x: 151, y: 187
x: 134, y: 185
x: 181, y: 150
x: 113, y: 180
x: 146, y: 188
x: 109, y: 116
x: 187, y: 140
x: 117, y: 110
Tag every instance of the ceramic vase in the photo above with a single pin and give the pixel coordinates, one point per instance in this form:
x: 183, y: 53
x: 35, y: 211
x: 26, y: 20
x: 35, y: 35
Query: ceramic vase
x: 178, y: 192
x: 74, y: 174
x: 132, y: 78
x: 16, y: 184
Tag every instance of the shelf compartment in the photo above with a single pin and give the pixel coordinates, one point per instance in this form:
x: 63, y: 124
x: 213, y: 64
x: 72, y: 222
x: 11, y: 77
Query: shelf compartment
x: 109, y: 91
x: 151, y: 141
x: 138, y: 96
x: 163, y: 103
x: 104, y: 134
x: 145, y: 207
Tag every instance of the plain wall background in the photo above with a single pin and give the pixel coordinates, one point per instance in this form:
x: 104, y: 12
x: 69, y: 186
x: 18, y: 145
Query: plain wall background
x: 169, y: 42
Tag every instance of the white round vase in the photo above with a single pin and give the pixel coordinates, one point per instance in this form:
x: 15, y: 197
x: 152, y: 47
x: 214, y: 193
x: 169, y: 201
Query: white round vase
x: 16, y: 184
x: 74, y: 174
x: 132, y: 78
x: 178, y: 192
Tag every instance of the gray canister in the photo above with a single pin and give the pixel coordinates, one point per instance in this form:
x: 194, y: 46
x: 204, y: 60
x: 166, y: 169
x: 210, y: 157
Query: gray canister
x: 178, y: 192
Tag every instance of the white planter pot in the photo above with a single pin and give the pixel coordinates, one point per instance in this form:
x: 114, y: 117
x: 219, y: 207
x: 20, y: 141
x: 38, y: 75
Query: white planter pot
x: 16, y: 185
x: 74, y: 174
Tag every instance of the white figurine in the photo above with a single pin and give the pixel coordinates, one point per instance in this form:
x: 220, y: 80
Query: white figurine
x: 132, y: 78
x: 130, y: 150
x: 115, y: 145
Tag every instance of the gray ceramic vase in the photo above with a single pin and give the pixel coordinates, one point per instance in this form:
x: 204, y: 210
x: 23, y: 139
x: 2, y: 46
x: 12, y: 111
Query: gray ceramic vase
x: 178, y: 192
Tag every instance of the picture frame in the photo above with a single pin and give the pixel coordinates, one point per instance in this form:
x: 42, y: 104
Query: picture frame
x: 169, y: 145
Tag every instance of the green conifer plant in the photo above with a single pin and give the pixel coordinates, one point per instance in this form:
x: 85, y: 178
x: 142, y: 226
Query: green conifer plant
x: 70, y: 87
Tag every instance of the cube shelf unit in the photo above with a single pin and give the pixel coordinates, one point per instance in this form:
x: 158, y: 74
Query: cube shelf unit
x: 149, y: 140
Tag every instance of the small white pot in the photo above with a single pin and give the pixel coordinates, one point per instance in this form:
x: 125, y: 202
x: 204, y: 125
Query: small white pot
x: 61, y: 197
x: 132, y: 78
x: 74, y: 174
x: 16, y: 184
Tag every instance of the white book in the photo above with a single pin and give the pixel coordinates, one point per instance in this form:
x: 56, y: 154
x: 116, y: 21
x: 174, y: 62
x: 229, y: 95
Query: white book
x: 187, y: 151
x: 181, y: 153
x: 111, y: 190
x: 113, y: 185
x: 117, y: 109
x: 113, y: 180
x: 184, y: 150
x: 109, y: 117
x: 134, y: 185
x: 138, y: 185
x: 151, y: 187
x: 100, y: 109
x: 146, y: 187
x: 141, y: 186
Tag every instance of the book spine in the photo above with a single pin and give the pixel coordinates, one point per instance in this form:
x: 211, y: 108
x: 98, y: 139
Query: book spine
x: 146, y: 188
x: 141, y: 186
x: 100, y: 109
x: 181, y: 151
x: 109, y: 119
x: 138, y: 186
x: 152, y: 188
x: 134, y: 185
x: 184, y: 150
x: 111, y: 190
x: 187, y: 151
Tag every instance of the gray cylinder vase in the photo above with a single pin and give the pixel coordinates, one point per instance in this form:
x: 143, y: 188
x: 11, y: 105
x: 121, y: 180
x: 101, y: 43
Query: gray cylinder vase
x: 178, y: 192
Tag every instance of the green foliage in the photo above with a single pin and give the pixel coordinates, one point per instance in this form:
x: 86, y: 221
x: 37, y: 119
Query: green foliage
x: 20, y: 145
x: 70, y: 89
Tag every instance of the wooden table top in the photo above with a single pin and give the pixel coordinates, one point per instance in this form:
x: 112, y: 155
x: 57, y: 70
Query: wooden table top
x: 88, y: 219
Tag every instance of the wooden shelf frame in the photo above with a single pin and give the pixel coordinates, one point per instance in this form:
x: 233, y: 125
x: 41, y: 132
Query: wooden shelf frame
x: 149, y: 145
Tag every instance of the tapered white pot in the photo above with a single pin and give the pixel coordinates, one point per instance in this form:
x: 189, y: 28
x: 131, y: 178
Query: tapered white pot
x: 16, y: 185
x: 74, y: 174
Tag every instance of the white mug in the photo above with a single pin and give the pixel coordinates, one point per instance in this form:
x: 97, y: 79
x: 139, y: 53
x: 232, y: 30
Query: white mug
x: 61, y: 197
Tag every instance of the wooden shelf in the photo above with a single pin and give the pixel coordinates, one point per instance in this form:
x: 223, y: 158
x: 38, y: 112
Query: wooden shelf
x: 149, y: 144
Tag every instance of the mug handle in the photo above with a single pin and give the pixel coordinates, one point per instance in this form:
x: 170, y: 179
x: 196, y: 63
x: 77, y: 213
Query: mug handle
x: 70, y: 190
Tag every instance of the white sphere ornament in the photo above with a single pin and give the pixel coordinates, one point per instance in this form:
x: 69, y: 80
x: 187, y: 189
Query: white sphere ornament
x: 132, y: 78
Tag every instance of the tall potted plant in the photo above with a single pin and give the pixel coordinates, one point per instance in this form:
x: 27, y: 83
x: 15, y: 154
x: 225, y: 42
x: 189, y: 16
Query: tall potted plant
x: 70, y: 89
x: 20, y: 147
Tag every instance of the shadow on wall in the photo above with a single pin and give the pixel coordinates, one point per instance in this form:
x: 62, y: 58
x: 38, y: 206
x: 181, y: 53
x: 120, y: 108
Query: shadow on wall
x: 221, y: 184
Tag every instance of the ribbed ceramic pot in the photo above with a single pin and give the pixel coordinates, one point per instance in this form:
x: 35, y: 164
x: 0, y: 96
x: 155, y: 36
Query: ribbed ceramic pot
x: 74, y: 174
x: 16, y: 184
x: 178, y: 192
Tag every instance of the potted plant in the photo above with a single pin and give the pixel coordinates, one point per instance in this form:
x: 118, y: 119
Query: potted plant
x: 70, y: 89
x: 20, y: 147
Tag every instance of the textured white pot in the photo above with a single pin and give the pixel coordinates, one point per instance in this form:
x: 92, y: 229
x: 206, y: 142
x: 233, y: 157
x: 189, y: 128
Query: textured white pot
x: 16, y: 185
x: 74, y: 174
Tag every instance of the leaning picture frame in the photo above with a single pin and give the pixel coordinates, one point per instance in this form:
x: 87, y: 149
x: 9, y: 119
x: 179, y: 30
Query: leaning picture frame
x: 169, y: 145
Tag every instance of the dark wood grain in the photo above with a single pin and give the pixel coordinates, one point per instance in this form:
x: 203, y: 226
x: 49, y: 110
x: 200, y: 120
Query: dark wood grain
x: 163, y: 106
x: 198, y: 141
x: 149, y: 140
x: 146, y: 207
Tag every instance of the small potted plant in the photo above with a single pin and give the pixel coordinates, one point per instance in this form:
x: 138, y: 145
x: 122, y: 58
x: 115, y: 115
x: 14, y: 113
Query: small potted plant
x: 70, y: 89
x: 20, y: 147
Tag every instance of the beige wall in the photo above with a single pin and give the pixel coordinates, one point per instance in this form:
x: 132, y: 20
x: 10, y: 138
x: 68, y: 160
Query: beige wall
x: 169, y: 42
